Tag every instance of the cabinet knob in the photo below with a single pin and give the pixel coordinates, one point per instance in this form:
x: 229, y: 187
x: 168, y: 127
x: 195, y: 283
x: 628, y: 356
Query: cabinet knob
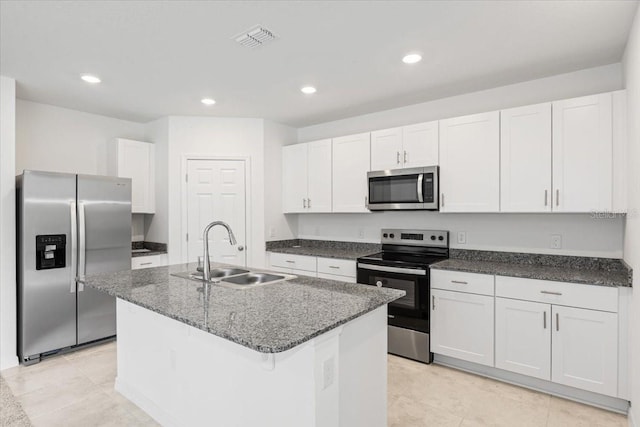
x: 240, y: 248
x: 379, y: 284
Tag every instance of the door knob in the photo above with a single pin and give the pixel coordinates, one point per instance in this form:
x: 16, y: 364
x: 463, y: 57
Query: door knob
x: 240, y: 248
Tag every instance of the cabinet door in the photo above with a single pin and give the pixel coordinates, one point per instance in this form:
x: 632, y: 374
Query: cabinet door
x: 462, y: 326
x: 386, y: 149
x: 470, y: 163
x: 136, y: 160
x: 319, y: 176
x: 525, y: 159
x: 585, y: 349
x: 523, y: 337
x: 351, y: 163
x: 420, y: 144
x: 294, y: 178
x: 582, y: 154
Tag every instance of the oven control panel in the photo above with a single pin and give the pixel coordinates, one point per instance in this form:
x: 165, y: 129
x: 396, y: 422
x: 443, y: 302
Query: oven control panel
x: 397, y: 236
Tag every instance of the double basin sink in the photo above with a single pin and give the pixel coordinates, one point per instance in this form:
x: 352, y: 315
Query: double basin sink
x: 236, y: 278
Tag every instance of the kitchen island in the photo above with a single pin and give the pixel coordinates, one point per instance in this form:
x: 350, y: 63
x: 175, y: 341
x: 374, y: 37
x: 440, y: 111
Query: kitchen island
x: 301, y: 352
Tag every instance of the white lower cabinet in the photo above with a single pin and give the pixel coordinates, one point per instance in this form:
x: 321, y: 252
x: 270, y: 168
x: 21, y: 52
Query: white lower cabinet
x: 585, y: 344
x: 148, y: 261
x: 523, y: 337
x: 324, y: 268
x: 566, y: 333
x: 462, y: 326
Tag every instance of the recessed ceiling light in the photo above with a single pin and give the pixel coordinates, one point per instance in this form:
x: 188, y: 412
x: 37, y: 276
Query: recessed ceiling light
x: 208, y: 101
x: 90, y: 78
x: 412, y: 58
x: 308, y: 90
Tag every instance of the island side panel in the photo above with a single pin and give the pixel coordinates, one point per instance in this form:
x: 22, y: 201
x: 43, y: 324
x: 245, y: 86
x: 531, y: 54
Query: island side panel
x: 363, y: 371
x: 181, y: 375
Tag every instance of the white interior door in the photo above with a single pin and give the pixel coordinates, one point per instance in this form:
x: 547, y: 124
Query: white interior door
x: 216, y: 191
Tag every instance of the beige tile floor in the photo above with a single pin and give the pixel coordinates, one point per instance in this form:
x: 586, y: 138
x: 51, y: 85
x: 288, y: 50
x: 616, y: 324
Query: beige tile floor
x: 76, y: 389
x: 432, y: 395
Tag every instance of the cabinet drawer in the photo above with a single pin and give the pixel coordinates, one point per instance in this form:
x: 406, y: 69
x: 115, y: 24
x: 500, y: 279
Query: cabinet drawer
x: 296, y: 262
x: 148, y: 261
x: 339, y: 267
x: 559, y: 293
x: 460, y: 281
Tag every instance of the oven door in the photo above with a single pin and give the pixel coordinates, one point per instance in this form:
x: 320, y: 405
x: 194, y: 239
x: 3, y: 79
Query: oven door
x: 411, y: 311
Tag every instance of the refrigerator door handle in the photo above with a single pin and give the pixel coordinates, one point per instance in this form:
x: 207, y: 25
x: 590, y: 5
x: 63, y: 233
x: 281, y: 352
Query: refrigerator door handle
x: 82, y: 259
x: 74, y: 246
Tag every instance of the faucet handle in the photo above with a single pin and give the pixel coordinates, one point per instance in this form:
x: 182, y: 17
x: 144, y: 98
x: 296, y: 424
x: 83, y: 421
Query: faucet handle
x: 240, y: 248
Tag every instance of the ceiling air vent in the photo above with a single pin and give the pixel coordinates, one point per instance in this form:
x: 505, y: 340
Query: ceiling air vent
x: 255, y: 37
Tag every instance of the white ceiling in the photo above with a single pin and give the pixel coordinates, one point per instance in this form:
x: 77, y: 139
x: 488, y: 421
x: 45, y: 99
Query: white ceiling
x: 159, y: 58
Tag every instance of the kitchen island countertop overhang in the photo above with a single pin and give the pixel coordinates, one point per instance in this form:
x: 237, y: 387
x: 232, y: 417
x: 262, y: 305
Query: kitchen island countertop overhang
x: 268, y: 319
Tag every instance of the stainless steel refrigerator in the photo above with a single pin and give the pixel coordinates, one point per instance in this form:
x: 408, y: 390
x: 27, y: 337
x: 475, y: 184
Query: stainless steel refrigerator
x: 68, y: 226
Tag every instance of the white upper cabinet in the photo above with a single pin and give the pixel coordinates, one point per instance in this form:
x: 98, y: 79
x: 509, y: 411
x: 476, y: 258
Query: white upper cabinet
x: 405, y: 147
x: 386, y: 149
x: 420, y: 144
x: 470, y: 163
x: 306, y: 177
x: 319, y: 176
x: 525, y: 159
x: 136, y: 160
x: 619, y: 114
x: 582, y: 154
x: 351, y: 162
x: 294, y: 178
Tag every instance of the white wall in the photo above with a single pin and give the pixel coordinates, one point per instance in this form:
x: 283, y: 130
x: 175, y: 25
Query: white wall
x: 62, y: 140
x: 277, y: 225
x: 581, y: 235
x: 8, y: 345
x: 631, y: 65
x: 212, y: 136
x: 583, y: 82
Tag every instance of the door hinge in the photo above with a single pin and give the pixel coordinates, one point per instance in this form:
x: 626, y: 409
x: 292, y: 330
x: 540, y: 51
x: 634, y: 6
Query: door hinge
x: 186, y: 177
x: 187, y: 237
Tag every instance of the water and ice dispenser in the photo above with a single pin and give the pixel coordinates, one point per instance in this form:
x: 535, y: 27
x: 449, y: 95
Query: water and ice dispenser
x: 50, y: 251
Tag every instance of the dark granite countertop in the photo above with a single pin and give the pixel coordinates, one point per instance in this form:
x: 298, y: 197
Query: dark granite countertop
x: 324, y: 248
x: 584, y: 270
x: 147, y: 248
x: 269, y: 319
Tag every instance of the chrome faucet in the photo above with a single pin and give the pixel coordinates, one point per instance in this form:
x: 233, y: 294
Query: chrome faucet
x: 206, y: 274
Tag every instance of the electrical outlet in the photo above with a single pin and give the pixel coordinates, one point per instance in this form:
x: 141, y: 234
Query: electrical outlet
x: 556, y: 241
x: 462, y: 237
x: 328, y: 370
x: 361, y: 233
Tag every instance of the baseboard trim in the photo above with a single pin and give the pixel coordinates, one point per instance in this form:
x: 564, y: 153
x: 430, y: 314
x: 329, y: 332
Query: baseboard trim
x: 609, y: 403
x: 156, y: 412
x: 11, y: 363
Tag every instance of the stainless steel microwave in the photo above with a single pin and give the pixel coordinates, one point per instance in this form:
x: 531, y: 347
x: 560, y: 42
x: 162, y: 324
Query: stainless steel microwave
x: 403, y: 189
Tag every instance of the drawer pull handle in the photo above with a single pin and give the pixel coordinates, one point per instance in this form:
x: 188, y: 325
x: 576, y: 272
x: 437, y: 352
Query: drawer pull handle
x: 459, y: 282
x: 433, y: 302
x: 290, y: 262
x: 557, y: 321
x: 146, y: 263
x: 551, y: 293
x: 544, y: 320
x: 334, y: 266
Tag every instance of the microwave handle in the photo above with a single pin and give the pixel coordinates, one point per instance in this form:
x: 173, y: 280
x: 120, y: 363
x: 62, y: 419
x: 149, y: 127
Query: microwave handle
x: 420, y: 195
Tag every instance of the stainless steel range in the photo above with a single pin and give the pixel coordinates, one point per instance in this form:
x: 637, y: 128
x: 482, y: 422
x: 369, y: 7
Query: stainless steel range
x: 404, y: 264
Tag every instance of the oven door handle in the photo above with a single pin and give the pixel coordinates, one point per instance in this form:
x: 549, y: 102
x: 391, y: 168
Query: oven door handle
x: 420, y: 195
x: 412, y: 271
